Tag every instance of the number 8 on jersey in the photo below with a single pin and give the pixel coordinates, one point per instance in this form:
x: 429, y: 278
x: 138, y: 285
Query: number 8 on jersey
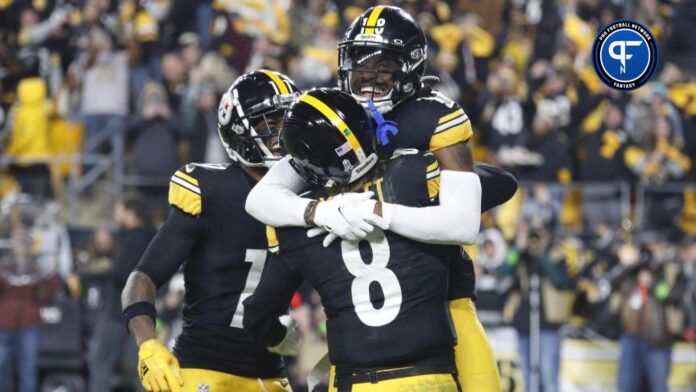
x: 365, y: 274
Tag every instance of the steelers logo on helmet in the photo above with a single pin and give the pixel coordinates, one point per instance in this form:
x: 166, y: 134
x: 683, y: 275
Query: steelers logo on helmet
x: 250, y: 114
x: 382, y: 57
x: 624, y: 55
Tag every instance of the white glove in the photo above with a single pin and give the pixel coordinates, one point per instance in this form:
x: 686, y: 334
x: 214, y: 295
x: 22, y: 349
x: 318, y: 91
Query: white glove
x: 359, y: 212
x: 336, y: 217
x: 290, y: 345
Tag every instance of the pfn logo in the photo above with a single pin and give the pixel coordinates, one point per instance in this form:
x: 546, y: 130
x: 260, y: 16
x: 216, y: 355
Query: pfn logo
x: 624, y: 55
x: 621, y: 55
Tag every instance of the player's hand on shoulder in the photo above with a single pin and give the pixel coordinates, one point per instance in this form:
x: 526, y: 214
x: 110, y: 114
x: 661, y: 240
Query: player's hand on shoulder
x: 158, y: 368
x: 291, y: 343
x: 344, y: 216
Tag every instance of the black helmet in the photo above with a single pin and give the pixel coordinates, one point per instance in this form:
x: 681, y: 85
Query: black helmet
x: 329, y: 136
x: 386, y: 31
x: 252, y: 98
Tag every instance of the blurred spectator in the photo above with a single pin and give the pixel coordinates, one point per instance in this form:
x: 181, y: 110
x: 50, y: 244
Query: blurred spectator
x: 142, y: 31
x: 605, y: 147
x: 34, y: 32
x: 647, y: 287
x: 174, y: 78
x: 23, y: 290
x: 154, y: 136
x: 104, y: 92
x: 687, y: 254
x: 662, y: 159
x: 550, y: 144
x: 110, y: 339
x: 29, y: 138
x: 154, y: 144
x: 542, y: 274
x: 502, y: 118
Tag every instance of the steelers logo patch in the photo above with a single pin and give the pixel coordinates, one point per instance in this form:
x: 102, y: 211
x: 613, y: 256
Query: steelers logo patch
x: 225, y: 109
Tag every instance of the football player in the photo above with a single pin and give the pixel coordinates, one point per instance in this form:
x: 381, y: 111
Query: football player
x: 222, y: 250
x: 387, y: 322
x: 382, y: 61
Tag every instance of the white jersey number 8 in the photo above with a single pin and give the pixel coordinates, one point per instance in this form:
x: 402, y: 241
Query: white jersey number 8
x: 365, y: 274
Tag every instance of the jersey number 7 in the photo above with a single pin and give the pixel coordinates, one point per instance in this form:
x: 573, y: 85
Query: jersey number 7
x: 257, y: 258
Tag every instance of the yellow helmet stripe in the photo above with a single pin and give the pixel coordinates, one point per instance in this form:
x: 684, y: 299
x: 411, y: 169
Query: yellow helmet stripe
x: 337, y: 122
x: 282, y: 88
x: 372, y: 19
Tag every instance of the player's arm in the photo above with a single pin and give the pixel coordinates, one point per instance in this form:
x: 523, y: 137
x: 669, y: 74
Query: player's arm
x: 268, y: 303
x: 157, y: 367
x: 456, y: 220
x: 162, y: 258
x: 274, y: 201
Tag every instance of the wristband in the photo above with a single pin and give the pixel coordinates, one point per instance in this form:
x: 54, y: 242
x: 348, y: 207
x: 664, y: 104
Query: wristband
x: 139, y: 309
x: 309, y: 212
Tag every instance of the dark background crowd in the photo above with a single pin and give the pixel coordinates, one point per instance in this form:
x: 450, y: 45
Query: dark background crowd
x: 100, y: 101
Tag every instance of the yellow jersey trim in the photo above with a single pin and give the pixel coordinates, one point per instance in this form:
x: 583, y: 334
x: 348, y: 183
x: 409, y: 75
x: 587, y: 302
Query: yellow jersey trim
x: 185, y: 199
x: 186, y: 177
x: 450, y: 116
x: 456, y: 134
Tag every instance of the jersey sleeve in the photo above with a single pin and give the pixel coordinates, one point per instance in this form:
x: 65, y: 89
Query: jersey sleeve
x: 412, y: 178
x: 269, y: 301
x: 185, y: 190
x: 453, y: 126
x: 170, y: 247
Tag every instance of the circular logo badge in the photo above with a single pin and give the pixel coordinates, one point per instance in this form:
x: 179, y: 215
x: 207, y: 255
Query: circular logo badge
x: 624, y: 54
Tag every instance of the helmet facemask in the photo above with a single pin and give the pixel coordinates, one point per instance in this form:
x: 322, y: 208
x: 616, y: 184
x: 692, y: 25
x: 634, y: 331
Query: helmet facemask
x: 253, y: 138
x: 374, y: 73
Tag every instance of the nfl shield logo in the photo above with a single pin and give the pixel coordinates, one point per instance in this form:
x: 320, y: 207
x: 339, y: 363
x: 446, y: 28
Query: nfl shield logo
x: 203, y: 388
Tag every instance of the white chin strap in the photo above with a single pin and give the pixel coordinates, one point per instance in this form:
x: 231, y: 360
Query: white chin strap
x: 383, y: 105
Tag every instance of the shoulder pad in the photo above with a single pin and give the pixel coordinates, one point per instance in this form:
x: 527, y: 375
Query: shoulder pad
x: 185, y: 191
x: 453, y: 126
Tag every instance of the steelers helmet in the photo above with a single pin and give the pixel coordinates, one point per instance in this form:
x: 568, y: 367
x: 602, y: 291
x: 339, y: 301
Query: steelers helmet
x: 244, y: 113
x: 329, y: 137
x: 390, y: 32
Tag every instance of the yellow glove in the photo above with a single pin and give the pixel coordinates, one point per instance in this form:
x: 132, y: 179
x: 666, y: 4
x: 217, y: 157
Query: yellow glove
x: 158, y: 368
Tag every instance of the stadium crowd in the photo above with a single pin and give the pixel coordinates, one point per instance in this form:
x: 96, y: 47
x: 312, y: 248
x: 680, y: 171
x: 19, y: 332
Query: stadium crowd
x: 602, y: 232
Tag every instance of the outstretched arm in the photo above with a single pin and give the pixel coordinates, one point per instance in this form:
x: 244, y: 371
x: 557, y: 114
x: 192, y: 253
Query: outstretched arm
x: 157, y: 367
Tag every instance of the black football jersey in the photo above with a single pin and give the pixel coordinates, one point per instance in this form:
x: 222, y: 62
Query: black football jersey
x: 223, y: 251
x: 428, y: 121
x: 385, y: 297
